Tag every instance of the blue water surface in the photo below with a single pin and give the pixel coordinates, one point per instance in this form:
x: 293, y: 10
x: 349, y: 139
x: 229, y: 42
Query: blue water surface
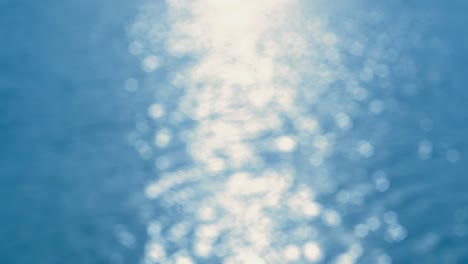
x: 74, y: 99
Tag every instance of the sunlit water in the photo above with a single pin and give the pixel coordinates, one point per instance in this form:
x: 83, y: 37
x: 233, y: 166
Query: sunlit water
x: 270, y: 138
x: 276, y: 131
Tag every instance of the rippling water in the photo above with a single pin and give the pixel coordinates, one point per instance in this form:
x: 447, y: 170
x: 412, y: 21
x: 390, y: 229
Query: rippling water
x: 268, y: 132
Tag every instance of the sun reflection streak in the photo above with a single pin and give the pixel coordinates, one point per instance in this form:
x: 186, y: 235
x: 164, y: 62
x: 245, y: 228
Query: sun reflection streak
x: 268, y: 87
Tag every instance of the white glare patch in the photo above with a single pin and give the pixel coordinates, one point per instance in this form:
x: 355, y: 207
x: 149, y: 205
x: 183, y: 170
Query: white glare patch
x: 365, y: 148
x: 285, y: 144
x: 135, y: 48
x: 162, y: 138
x: 381, y: 182
x: 156, y: 253
x: 311, y: 209
x: 292, y: 253
x: 343, y: 121
x: 321, y: 143
x: 156, y: 111
x: 332, y: 218
x: 183, y: 260
x: 207, y: 214
x: 361, y: 230
x: 203, y: 248
x: 395, y: 233
x: 150, y: 63
x: 312, y: 251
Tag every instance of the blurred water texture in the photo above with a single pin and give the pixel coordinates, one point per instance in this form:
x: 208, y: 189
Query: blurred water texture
x: 169, y: 132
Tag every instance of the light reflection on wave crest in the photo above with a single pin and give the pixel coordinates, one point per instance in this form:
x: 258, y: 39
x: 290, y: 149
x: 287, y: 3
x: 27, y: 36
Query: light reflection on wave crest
x: 272, y: 99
